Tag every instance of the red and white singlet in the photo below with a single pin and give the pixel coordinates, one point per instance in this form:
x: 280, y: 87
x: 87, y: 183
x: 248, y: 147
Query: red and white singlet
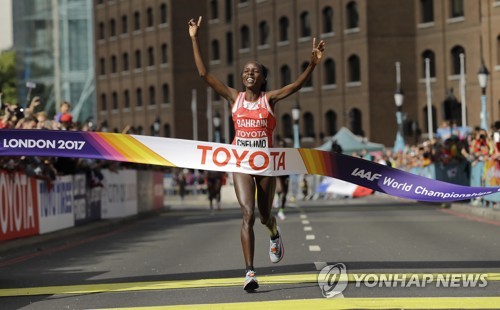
x: 254, y: 122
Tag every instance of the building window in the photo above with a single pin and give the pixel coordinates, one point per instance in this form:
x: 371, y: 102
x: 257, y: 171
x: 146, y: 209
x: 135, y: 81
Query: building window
x: 215, y: 50
x: 101, y: 31
x: 126, y: 99
x: 309, y: 125
x: 428, y: 54
x: 125, y: 61
x: 229, y: 10
x: 426, y: 11
x: 214, y: 9
x: 286, y: 120
x: 104, y: 104
x: 327, y: 20
x: 456, y: 8
x: 124, y: 24
x: 164, y: 53
x: 434, y: 118
x: 166, y: 93
x: 137, y: 21
x: 230, y: 80
x: 309, y: 82
x: 113, y: 64
x: 151, y: 56
x: 498, y: 50
x: 114, y: 98
x: 138, y: 97
x: 102, y: 65
x: 330, y: 77
x: 138, y: 63
x: 352, y: 15
x: 112, y: 27
x: 229, y: 47
x: 355, y: 120
x: 305, y: 25
x: 245, y: 37
x: 455, y: 59
x: 163, y: 13
x: 152, y: 95
x: 331, y: 123
x: 150, y: 17
x: 354, y: 68
x: 263, y: 33
x: 286, y: 75
x: 283, y: 29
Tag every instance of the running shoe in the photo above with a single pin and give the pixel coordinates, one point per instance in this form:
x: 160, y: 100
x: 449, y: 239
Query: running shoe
x: 281, y: 215
x: 251, y: 282
x: 276, y: 249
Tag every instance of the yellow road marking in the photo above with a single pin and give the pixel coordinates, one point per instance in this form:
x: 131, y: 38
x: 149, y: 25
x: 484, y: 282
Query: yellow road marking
x: 350, y: 303
x: 201, y: 283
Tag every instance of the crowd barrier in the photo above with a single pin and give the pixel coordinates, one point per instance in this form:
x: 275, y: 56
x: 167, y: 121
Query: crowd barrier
x: 29, y: 206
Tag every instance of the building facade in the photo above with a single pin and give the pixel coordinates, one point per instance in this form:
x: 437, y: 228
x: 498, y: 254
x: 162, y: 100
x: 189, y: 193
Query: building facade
x: 145, y: 71
x: 54, y: 54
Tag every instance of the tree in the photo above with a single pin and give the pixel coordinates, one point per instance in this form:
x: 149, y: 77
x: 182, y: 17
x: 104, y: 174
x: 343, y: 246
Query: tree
x: 8, y: 79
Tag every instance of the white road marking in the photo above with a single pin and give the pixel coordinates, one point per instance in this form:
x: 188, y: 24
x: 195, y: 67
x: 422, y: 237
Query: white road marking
x: 314, y: 248
x: 310, y: 237
x: 305, y: 222
x: 303, y: 216
x: 308, y: 228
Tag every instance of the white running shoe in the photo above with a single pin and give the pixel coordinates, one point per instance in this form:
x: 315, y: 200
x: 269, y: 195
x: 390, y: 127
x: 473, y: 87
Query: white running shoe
x: 281, y: 215
x: 276, y: 249
x: 251, y: 282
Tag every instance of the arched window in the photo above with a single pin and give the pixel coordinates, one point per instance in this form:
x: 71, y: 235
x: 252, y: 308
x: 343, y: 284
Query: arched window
x: 455, y: 59
x: 330, y: 77
x: 355, y: 121
x: 104, y: 104
x: 102, y: 65
x: 126, y: 99
x: 152, y: 95
x: 354, y: 68
x: 102, y: 33
x: 286, y: 75
x: 112, y: 27
x: 138, y: 97
x: 164, y: 53
x: 305, y: 25
x: 263, y: 33
x: 229, y: 48
x: 283, y: 30
x: 352, y: 15
x: 426, y: 11
x: 163, y: 13
x: 151, y: 56
x: 138, y: 63
x: 452, y: 108
x: 331, y: 123
x: 166, y: 93
x: 114, y: 98
x: 309, y: 125
x: 498, y: 50
x: 286, y: 121
x: 327, y: 14
x: 113, y: 64
x: 245, y: 37
x: 214, y: 10
x: 456, y: 8
x: 125, y: 63
x: 309, y: 82
x: 150, y: 17
x: 137, y: 21
x: 124, y: 24
x: 428, y: 54
x: 229, y: 10
x: 434, y: 119
x: 215, y: 50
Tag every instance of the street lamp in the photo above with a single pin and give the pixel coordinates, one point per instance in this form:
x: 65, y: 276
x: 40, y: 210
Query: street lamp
x: 217, y: 120
x: 399, y: 144
x: 296, y: 117
x: 482, y: 76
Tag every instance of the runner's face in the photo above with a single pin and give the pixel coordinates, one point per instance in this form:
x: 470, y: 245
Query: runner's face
x: 252, y: 76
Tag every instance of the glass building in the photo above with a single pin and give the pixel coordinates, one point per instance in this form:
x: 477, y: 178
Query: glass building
x: 53, y: 41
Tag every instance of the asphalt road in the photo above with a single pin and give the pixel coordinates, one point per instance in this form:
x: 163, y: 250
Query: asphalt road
x: 187, y: 256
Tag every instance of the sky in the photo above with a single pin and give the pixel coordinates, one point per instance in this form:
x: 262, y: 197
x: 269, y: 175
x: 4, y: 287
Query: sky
x: 5, y: 24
